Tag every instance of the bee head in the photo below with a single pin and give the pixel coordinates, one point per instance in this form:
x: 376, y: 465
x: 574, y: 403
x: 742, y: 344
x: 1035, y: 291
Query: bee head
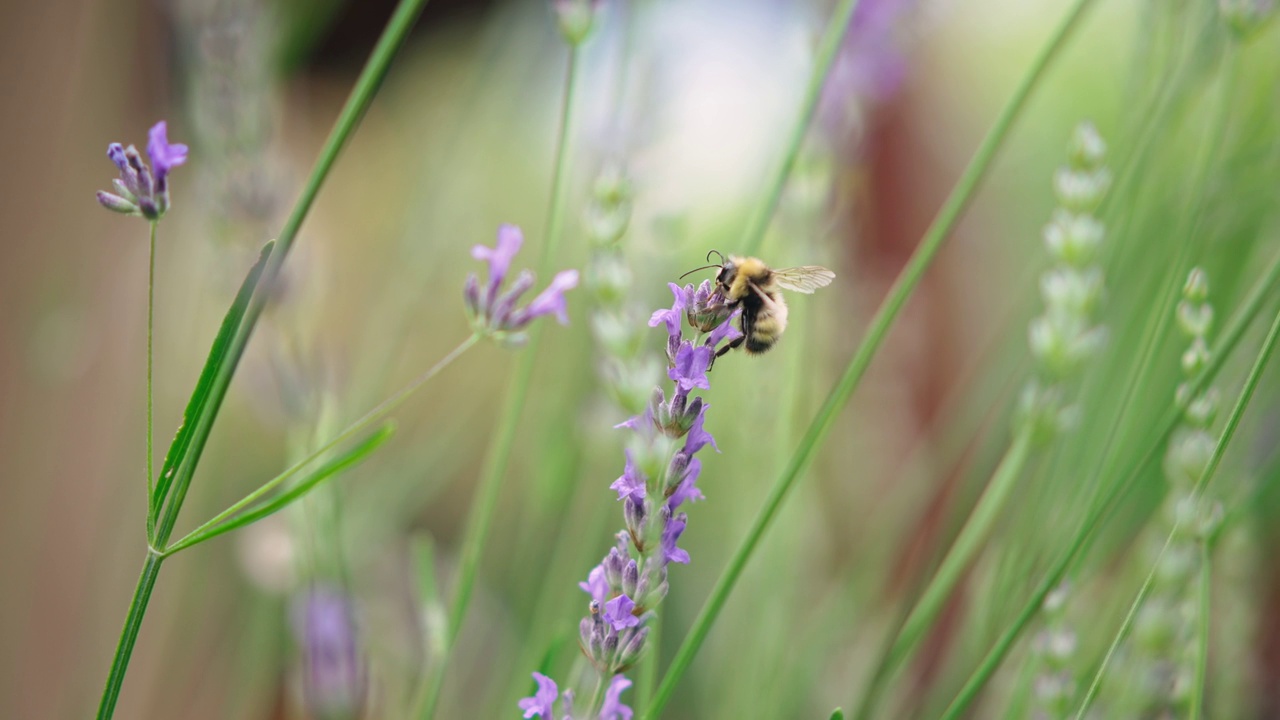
x: 724, y: 271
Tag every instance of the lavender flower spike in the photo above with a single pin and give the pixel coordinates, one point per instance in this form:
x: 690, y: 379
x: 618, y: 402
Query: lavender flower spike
x: 138, y: 191
x: 494, y: 312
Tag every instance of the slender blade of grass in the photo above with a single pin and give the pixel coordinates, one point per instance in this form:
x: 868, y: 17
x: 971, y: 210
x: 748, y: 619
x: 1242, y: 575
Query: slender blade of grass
x: 201, y: 397
x: 284, y: 499
x: 884, y: 318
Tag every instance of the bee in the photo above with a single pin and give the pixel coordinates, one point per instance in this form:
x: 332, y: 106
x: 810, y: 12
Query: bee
x: 748, y: 283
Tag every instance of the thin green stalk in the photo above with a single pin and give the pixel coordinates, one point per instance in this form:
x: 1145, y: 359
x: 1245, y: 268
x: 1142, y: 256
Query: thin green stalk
x: 647, y: 675
x: 499, y: 453
x: 595, y: 696
x: 958, y: 558
x: 828, y: 48
x: 378, y: 412
x: 151, y: 314
x: 361, y: 96
x: 1202, y: 630
x: 879, y: 328
x: 129, y: 635
x: 1125, y: 626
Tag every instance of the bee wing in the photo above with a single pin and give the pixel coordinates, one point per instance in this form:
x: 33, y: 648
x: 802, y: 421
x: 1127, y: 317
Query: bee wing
x: 804, y: 279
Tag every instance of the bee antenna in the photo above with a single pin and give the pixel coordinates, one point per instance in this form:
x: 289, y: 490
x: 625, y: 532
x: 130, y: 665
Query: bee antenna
x: 715, y: 252
x: 704, y: 267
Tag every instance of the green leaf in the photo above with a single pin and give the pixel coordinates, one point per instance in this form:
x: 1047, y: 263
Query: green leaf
x: 200, y: 397
x: 218, y: 526
x: 837, y: 714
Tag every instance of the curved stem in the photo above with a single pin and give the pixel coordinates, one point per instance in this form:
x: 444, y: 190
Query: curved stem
x: 876, y: 333
x: 828, y: 48
x: 499, y: 452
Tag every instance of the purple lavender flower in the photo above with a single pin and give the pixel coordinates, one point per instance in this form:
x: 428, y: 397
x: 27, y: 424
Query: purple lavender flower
x: 632, y: 481
x: 597, y: 584
x: 334, y: 680
x: 670, y: 534
x: 689, y: 370
x: 684, y: 471
x: 542, y: 702
x: 138, y: 191
x: 494, y: 312
x: 613, y: 709
x: 618, y: 613
x: 699, y: 438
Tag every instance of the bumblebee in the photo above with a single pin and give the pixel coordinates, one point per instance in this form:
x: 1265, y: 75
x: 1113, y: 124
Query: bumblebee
x: 748, y: 283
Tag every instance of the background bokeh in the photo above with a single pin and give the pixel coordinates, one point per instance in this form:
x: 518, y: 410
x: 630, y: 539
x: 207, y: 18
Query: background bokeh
x: 694, y: 99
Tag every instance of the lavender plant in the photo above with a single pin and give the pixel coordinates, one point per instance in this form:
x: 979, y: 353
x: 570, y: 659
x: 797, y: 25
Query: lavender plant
x: 659, y: 476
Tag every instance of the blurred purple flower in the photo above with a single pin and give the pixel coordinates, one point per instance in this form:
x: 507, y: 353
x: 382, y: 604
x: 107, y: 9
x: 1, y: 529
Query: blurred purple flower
x: 670, y: 534
x: 494, y: 312
x: 631, y: 482
x: 872, y: 63
x: 542, y: 702
x: 137, y: 190
x: 334, y: 678
x: 597, y: 584
x: 613, y: 709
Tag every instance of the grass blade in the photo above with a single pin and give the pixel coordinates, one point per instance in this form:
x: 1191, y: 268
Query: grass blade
x: 208, y: 531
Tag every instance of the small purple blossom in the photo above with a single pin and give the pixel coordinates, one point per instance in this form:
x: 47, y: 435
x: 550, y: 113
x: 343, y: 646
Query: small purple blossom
x: 673, y: 316
x: 690, y: 368
x: 597, y: 584
x: 541, y: 704
x: 613, y: 709
x: 699, y: 438
x: 631, y: 482
x: 618, y: 612
x: 670, y: 534
x: 493, y: 311
x: 686, y: 488
x: 137, y: 190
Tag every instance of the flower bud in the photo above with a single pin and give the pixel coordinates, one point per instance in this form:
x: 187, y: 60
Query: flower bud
x: 1081, y: 191
x: 609, y: 278
x: 1073, y: 239
x: 1188, y: 457
x: 1087, y: 150
x: 115, y: 203
x: 1072, y: 291
x: 1195, y: 320
x: 630, y: 578
x: 1196, y: 290
x: 1201, y: 410
x: 576, y: 18
x: 1195, y: 357
x: 633, y: 647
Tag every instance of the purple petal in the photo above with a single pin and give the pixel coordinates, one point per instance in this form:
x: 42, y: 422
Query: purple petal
x: 613, y: 709
x: 670, y: 534
x: 690, y: 369
x: 726, y: 331
x: 164, y: 157
x: 540, y: 704
x: 698, y: 437
x: 499, y: 257
x: 688, y: 488
x: 597, y: 584
x: 617, y: 612
x: 631, y: 482
x: 551, y: 300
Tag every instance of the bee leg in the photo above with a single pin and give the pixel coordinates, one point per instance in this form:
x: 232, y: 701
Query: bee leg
x: 729, y: 346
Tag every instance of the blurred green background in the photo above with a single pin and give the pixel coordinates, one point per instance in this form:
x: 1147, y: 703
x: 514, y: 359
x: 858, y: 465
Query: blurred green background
x: 694, y: 98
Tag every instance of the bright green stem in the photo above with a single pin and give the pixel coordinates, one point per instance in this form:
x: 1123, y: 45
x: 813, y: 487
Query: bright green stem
x: 647, y: 675
x: 378, y: 412
x: 1202, y: 630
x: 828, y: 48
x: 499, y: 453
x: 880, y: 324
x: 959, y: 557
x: 362, y: 94
x: 1098, y: 511
x: 129, y: 636
x: 151, y: 315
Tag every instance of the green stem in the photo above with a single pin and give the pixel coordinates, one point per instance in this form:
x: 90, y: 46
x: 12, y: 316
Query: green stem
x: 647, y: 675
x: 595, y: 696
x: 879, y: 328
x: 828, y: 48
x: 958, y: 558
x: 129, y: 635
x: 378, y: 412
x: 362, y: 94
x: 499, y: 453
x: 151, y: 314
x: 1202, y: 630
